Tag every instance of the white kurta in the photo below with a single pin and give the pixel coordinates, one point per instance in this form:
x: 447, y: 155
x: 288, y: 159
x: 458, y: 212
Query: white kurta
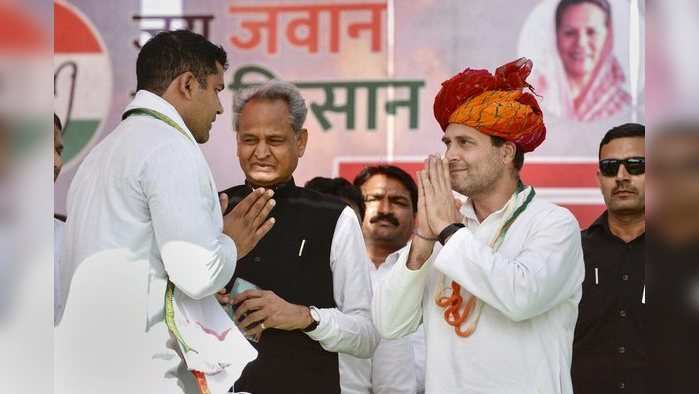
x: 398, y: 365
x: 142, y: 207
x: 348, y: 328
x: 530, y: 288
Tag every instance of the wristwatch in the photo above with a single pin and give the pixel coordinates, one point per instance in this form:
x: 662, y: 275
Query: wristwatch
x: 449, y: 231
x: 315, y: 315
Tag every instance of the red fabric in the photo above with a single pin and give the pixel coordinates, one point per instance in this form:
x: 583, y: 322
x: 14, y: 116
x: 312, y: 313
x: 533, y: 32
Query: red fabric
x: 471, y: 83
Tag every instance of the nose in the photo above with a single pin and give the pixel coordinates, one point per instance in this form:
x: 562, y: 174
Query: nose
x: 219, y: 109
x: 584, y: 40
x: 384, y: 206
x: 622, y: 174
x: 450, y: 154
x: 261, y: 150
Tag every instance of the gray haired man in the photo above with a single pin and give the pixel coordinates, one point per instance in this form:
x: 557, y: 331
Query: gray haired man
x: 313, y: 288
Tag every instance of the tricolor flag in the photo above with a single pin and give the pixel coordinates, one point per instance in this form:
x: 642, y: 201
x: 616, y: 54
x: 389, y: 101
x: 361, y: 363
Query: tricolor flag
x: 82, y: 78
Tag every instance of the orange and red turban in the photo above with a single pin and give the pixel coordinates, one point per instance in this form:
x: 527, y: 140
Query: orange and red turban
x: 496, y: 105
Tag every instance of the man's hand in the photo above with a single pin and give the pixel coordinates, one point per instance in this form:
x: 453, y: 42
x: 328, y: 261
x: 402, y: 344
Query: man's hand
x: 424, y: 237
x: 246, y: 223
x: 223, y: 297
x: 268, y: 310
x: 439, y: 199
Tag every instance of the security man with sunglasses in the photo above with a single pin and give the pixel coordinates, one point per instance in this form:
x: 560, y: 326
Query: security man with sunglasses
x: 609, y: 355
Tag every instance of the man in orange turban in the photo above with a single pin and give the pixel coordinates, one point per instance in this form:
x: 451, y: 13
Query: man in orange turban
x: 499, y: 295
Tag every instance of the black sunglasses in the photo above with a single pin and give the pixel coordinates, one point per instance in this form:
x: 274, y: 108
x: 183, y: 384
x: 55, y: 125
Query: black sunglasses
x: 634, y: 166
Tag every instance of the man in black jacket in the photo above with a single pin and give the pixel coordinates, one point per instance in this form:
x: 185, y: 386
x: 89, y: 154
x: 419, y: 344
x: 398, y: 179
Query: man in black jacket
x: 311, y: 269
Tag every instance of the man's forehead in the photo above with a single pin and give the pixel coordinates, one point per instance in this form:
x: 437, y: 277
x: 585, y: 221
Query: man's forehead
x: 218, y: 76
x: 263, y: 131
x: 381, y: 184
x: 459, y: 130
x: 623, y: 147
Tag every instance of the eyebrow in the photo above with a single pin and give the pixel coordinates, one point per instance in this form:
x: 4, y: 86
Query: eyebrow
x: 445, y: 140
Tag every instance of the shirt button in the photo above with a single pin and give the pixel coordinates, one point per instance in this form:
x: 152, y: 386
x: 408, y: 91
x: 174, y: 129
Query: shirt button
x: 625, y: 277
x: 622, y: 313
x: 257, y: 259
x: 621, y: 350
x: 621, y: 385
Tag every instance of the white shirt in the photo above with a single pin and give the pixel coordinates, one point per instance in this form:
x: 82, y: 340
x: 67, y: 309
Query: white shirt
x: 348, y: 328
x: 530, y: 288
x: 397, y: 366
x: 143, y: 197
x: 58, y: 292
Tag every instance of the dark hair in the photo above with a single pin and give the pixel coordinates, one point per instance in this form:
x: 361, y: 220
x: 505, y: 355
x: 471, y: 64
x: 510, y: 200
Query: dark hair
x: 171, y: 53
x: 627, y: 130
x: 57, y: 122
x: 518, y: 161
x: 391, y: 172
x: 564, y: 4
x: 339, y: 187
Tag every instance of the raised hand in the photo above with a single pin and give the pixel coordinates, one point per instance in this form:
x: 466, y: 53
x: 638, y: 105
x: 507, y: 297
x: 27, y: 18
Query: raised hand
x: 441, y: 209
x: 247, y: 223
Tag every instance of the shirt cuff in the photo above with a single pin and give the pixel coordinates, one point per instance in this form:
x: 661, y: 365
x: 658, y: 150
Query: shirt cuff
x: 409, y: 278
x: 228, y: 248
x: 324, y: 326
x: 454, y: 249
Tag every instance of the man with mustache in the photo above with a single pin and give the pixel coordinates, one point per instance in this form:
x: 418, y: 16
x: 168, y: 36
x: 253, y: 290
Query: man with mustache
x: 390, y: 195
x: 609, y: 353
x: 499, y: 300
x: 311, y: 269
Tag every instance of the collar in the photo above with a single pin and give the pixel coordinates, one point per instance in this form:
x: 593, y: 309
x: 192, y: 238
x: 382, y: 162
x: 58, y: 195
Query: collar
x: 602, y: 224
x: 146, y: 99
x: 468, y: 212
x: 280, y: 189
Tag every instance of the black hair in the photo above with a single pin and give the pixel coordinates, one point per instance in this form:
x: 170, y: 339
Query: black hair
x: 626, y: 130
x: 171, y: 53
x: 391, y: 172
x: 564, y: 4
x: 57, y: 122
x: 339, y: 187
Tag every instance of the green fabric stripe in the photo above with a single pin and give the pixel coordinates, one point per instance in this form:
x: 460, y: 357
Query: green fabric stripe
x: 76, y: 136
x: 170, y: 316
x: 157, y: 115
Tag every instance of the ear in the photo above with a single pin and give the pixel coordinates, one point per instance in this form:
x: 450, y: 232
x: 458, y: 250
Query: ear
x: 509, y: 150
x: 185, y: 84
x: 301, y: 140
x: 599, y: 178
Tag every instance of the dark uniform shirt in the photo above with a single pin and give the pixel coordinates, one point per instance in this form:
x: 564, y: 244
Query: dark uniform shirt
x: 609, y: 355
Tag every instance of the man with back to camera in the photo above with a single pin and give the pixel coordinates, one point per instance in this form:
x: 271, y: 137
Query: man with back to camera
x: 341, y: 188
